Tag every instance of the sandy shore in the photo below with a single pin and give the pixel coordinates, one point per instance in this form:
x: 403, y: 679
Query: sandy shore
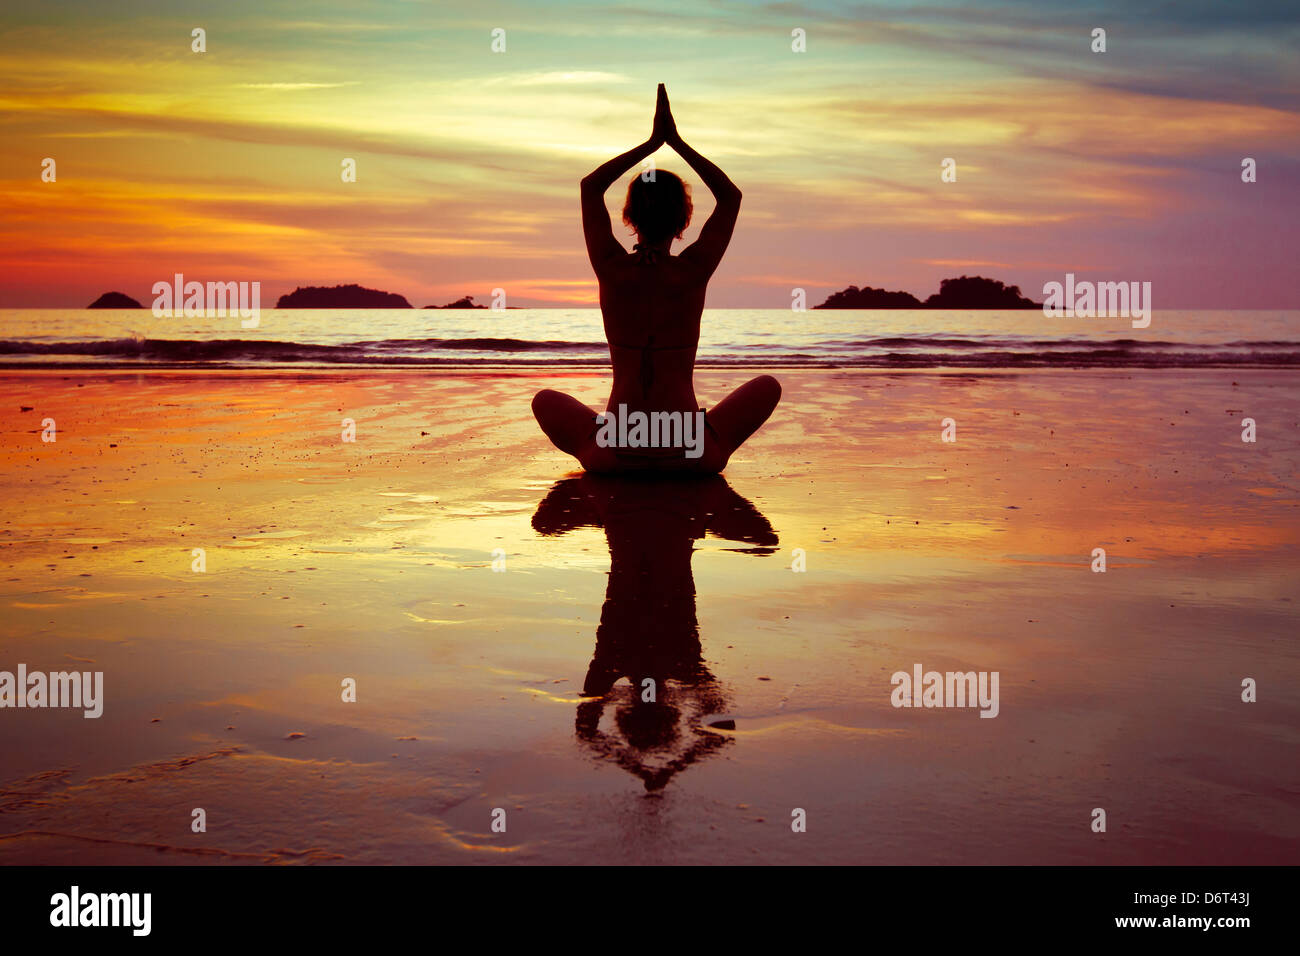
x: 373, y: 560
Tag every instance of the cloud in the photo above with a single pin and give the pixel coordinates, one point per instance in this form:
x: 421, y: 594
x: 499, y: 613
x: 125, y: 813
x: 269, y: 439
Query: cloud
x: 292, y: 86
x: 559, y: 78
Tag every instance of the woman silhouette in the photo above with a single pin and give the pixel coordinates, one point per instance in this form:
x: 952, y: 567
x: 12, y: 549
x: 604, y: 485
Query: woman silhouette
x: 651, y: 302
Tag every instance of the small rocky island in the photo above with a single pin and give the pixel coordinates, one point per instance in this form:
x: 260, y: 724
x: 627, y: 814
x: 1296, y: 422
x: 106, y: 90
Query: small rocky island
x: 115, y: 300
x: 464, y: 302
x: 341, y: 297
x: 964, y: 292
x: 869, y: 298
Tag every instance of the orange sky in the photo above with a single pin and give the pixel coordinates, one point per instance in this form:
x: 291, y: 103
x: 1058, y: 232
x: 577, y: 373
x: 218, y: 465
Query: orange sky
x: 225, y: 165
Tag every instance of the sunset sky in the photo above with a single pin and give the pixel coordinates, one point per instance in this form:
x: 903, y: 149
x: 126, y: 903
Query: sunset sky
x: 225, y: 165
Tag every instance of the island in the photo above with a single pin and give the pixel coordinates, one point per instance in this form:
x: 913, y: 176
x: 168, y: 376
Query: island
x: 963, y: 292
x: 341, y: 297
x: 464, y: 302
x: 869, y: 298
x: 115, y: 300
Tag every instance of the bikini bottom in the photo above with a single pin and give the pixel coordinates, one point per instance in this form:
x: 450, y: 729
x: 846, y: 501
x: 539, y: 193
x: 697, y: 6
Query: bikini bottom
x: 663, y: 452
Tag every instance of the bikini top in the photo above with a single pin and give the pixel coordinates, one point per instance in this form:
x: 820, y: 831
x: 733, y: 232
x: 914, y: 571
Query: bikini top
x: 647, y: 359
x: 647, y: 256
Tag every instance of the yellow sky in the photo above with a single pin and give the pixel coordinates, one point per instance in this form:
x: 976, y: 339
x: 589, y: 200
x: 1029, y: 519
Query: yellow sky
x: 225, y: 164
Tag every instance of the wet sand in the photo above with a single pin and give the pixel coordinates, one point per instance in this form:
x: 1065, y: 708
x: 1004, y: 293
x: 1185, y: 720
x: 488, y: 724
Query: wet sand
x: 373, y: 560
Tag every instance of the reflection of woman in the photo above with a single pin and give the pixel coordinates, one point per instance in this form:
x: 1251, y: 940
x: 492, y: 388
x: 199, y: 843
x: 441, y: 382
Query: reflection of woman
x: 651, y: 301
x: 648, y: 628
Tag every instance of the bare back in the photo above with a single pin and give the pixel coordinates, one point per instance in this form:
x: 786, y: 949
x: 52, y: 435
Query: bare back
x: 651, y: 307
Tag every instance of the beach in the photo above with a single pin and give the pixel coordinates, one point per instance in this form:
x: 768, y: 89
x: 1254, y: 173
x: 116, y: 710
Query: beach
x: 452, y: 564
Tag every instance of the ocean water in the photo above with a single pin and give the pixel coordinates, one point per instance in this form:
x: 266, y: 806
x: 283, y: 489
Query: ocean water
x: 330, y: 338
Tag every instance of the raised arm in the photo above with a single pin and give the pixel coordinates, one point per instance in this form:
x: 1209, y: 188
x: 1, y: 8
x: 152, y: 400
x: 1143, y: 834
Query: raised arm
x: 601, y: 244
x: 706, y: 251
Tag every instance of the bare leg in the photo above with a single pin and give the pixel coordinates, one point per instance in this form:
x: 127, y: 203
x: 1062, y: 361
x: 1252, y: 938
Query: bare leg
x: 743, y: 412
x: 571, y: 427
x: 569, y: 424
